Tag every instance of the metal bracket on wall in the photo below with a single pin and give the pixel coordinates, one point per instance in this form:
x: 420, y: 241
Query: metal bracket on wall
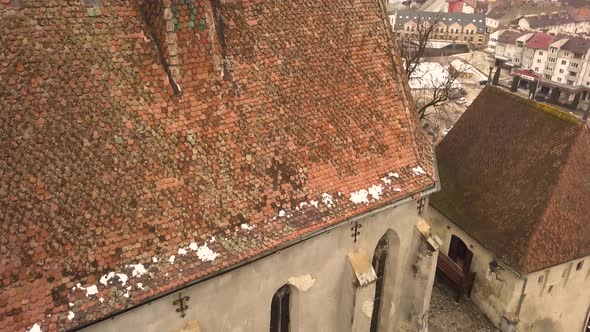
x: 355, y: 231
x: 182, y: 302
x: 421, y: 203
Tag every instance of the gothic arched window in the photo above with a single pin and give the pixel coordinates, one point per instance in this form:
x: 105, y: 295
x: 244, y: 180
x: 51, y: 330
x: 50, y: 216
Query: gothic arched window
x: 280, y: 309
x: 379, y: 262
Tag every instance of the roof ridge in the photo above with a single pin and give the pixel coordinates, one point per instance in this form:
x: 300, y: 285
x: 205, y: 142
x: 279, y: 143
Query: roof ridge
x: 542, y: 108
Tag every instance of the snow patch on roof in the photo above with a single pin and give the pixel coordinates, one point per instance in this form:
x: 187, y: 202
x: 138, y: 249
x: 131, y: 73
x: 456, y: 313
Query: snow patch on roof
x: 375, y: 191
x: 138, y: 270
x: 205, y: 254
x: 105, y: 278
x: 91, y: 290
x: 35, y: 328
x: 123, y: 278
x: 246, y: 227
x: 418, y: 170
x: 182, y: 251
x: 361, y: 196
x: 171, y: 259
x: 327, y: 199
x: 71, y: 315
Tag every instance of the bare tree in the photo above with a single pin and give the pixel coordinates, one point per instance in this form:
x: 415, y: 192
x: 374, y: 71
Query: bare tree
x: 412, y: 46
x: 434, y: 93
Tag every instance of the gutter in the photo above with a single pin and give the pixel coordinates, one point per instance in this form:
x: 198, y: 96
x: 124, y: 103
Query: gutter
x: 405, y: 199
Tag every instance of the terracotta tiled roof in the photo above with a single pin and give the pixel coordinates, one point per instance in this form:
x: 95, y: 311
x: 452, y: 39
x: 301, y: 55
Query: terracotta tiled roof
x: 512, y: 177
x: 540, y: 40
x: 580, y: 14
x: 292, y: 116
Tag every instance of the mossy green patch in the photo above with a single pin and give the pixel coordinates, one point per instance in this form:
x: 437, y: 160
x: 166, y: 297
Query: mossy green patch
x: 551, y: 111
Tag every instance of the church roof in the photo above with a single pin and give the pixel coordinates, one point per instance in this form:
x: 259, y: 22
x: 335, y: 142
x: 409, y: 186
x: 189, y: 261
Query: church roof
x: 512, y: 177
x: 127, y: 172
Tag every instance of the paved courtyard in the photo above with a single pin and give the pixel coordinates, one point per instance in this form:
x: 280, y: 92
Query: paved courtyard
x: 448, y: 316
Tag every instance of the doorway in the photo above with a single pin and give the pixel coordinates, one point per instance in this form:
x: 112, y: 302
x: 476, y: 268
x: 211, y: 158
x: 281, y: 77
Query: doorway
x: 460, y: 253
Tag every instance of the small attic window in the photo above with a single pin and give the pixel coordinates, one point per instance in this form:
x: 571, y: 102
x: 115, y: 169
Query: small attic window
x: 580, y: 265
x: 541, y: 278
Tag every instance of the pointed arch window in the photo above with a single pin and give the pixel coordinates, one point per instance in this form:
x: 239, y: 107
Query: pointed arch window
x: 379, y: 262
x: 280, y: 310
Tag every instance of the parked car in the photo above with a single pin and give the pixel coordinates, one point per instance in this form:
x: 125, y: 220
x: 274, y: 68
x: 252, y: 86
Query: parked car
x: 540, y: 98
x: 461, y: 101
x: 483, y: 82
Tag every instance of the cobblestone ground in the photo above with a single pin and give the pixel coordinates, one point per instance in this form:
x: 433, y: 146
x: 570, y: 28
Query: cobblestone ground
x: 448, y: 316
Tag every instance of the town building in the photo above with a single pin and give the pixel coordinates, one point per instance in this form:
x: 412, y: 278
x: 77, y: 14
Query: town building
x: 460, y: 6
x: 560, y: 22
x: 493, y: 41
x: 456, y: 28
x: 192, y: 165
x: 493, y: 20
x: 512, y: 210
x: 557, y: 65
x: 536, y: 50
x: 510, y: 46
x: 502, y: 16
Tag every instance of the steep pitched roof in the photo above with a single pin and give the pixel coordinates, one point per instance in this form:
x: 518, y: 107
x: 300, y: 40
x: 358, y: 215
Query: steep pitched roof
x: 114, y: 189
x: 540, y: 40
x: 511, y: 176
x: 496, y: 13
x: 472, y: 3
x: 578, y: 45
x: 546, y: 20
x: 510, y: 36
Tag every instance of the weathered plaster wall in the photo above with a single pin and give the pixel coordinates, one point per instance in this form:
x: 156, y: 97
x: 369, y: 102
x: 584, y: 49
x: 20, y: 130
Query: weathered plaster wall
x: 563, y: 308
x: 496, y: 294
x: 557, y: 299
x: 325, y: 296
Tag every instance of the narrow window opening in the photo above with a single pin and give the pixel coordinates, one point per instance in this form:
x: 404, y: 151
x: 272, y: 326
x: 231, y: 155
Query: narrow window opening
x: 379, y: 262
x: 280, y: 310
x: 579, y: 266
